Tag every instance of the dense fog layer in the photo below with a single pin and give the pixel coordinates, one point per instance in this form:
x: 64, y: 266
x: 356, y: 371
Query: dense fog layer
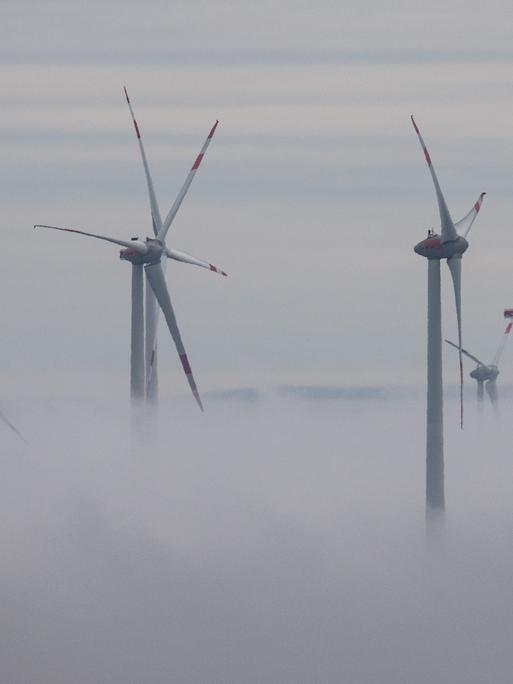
x: 276, y: 538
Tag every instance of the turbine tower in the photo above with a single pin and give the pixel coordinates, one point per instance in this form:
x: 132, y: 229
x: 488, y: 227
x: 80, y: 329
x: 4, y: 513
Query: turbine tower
x: 449, y: 245
x: 151, y: 255
x: 488, y: 372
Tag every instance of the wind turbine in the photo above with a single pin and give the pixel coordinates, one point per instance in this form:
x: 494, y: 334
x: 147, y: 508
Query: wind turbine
x: 12, y: 427
x: 451, y: 245
x: 487, y: 373
x: 152, y: 254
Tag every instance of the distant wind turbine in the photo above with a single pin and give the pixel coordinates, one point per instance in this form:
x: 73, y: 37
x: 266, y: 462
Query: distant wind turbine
x: 450, y: 245
x: 152, y: 254
x: 12, y: 427
x: 488, y: 372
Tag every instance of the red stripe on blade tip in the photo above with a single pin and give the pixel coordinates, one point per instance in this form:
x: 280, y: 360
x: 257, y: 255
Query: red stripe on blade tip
x: 212, y: 130
x: 477, y: 205
x: 217, y: 270
x: 197, y: 162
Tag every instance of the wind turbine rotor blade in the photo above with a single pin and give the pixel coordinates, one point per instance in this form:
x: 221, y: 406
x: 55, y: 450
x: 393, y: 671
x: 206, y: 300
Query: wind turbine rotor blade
x: 454, y: 264
x: 480, y: 393
x: 154, y: 207
x: 464, y: 351
x: 180, y: 197
x: 152, y: 324
x: 158, y: 285
x: 491, y: 390
x: 151, y: 321
x: 500, y: 349
x: 464, y: 225
x: 136, y: 245
x: 448, y: 230
x: 12, y: 427
x: 189, y: 259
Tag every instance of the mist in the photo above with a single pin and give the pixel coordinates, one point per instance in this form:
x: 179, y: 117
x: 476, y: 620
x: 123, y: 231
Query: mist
x: 279, y: 537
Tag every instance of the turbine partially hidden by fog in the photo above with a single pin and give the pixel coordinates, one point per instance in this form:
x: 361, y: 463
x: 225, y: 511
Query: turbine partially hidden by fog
x: 280, y: 536
x: 488, y: 372
x: 450, y: 245
x: 152, y: 254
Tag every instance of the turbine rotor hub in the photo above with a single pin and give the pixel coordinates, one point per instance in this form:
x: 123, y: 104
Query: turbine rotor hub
x: 433, y: 247
x: 152, y: 253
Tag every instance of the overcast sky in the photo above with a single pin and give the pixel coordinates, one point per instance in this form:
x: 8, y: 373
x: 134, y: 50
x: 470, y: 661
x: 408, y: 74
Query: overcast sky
x: 312, y: 194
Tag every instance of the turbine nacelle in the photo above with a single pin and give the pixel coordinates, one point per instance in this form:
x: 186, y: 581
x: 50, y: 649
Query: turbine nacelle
x: 434, y: 248
x: 484, y: 373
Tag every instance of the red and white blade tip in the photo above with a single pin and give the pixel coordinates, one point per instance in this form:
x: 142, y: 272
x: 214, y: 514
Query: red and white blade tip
x: 424, y: 148
x: 213, y: 129
x: 477, y: 205
x: 217, y: 270
x: 188, y: 372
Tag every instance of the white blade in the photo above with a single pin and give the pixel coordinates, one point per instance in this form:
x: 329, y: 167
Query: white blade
x: 136, y: 245
x: 499, y: 351
x: 155, y: 211
x: 464, y: 351
x: 448, y: 230
x: 189, y: 259
x: 152, y: 338
x: 464, y: 225
x: 491, y: 390
x: 158, y: 285
x: 178, y: 201
x: 454, y: 264
x: 11, y: 426
x: 151, y: 321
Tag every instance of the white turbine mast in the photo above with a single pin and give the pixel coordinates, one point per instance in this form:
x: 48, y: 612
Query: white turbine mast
x: 152, y: 254
x: 451, y: 245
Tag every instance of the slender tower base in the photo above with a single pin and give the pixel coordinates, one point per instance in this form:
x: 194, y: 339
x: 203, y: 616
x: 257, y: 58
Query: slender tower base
x: 137, y: 335
x: 435, y: 496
